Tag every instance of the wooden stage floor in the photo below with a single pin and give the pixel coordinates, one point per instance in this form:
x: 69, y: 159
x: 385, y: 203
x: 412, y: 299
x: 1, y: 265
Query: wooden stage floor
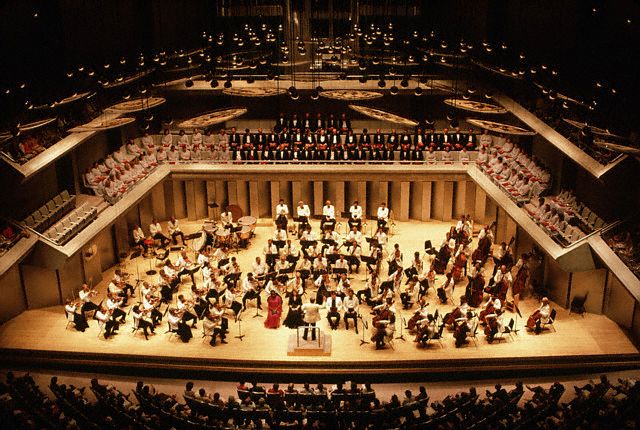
x: 39, y: 338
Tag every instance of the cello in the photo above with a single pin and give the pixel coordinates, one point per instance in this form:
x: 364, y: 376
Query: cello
x: 532, y: 322
x: 459, y: 312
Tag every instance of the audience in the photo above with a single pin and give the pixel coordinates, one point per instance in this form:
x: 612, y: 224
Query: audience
x: 624, y: 239
x: 600, y: 404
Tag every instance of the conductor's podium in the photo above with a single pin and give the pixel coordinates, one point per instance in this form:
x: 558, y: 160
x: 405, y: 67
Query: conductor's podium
x: 320, y: 346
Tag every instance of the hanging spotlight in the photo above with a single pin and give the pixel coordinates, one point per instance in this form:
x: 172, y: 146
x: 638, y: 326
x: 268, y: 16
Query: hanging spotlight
x: 271, y: 76
x: 292, y: 90
x: 404, y: 83
x: 227, y: 83
x: 214, y: 83
x: 319, y: 89
x: 418, y: 92
x: 315, y: 95
x: 362, y: 79
x: 393, y: 90
x: 189, y: 83
x: 343, y: 76
x: 250, y: 79
x: 382, y: 83
x: 488, y: 95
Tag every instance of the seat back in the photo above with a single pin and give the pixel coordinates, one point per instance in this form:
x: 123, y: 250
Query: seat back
x: 427, y: 245
x: 510, y: 326
x: 44, y: 211
x: 58, y: 200
x: 65, y: 195
x: 51, y: 206
x: 552, y: 316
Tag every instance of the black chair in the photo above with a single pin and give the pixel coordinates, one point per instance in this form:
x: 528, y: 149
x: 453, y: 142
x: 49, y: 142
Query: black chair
x: 578, y: 304
x: 552, y: 319
x: 428, y: 248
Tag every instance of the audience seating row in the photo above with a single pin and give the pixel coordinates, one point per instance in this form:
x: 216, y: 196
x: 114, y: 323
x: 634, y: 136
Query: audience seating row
x: 51, y: 212
x: 72, y: 224
x: 597, y: 404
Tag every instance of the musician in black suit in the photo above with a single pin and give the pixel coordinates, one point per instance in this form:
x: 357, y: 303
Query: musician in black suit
x: 307, y: 122
x: 318, y: 123
x: 365, y: 138
x: 234, y: 140
x: 344, y: 124
x: 281, y: 123
x: 393, y: 141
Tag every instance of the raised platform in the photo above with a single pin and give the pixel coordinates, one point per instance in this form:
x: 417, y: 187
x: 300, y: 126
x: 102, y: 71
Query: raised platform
x: 40, y: 338
x: 298, y: 347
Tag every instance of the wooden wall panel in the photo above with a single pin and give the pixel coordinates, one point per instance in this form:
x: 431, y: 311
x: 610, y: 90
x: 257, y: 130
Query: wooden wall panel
x: 70, y: 276
x: 200, y: 188
x: 179, y: 201
x: 619, y: 303
x: 41, y: 286
x: 13, y: 297
x: 158, y: 204
x: 557, y: 281
x: 459, y: 199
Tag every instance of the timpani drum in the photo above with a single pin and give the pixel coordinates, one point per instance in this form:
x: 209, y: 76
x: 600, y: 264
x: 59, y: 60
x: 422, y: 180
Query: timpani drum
x: 223, y: 237
x: 248, y: 221
x: 244, y: 233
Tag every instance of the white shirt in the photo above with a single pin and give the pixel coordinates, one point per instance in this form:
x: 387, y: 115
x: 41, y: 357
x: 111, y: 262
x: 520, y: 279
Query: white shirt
x: 280, y: 235
x: 226, y: 217
x: 383, y: 213
x: 173, y: 226
x: 138, y: 234
x: 350, y: 303
x: 334, y: 303
x: 282, y: 209
x: 329, y: 211
x: 357, y: 236
x: 311, y: 312
x: 303, y: 211
x: 155, y: 228
x: 356, y: 211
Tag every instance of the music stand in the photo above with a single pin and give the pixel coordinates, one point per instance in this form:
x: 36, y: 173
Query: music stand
x: 365, y: 326
x: 515, y: 323
x: 402, y: 323
x: 339, y: 270
x: 307, y: 243
x: 386, y: 284
x: 258, y: 314
x: 279, y: 243
x: 368, y: 261
x: 239, y: 321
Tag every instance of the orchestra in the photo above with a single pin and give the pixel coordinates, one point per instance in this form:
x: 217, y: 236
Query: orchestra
x: 330, y: 259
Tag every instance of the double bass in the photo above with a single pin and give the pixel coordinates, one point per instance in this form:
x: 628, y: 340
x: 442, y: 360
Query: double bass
x: 459, y: 265
x: 475, y: 291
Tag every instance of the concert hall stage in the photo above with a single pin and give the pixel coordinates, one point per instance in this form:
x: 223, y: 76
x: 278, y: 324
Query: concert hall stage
x: 590, y: 343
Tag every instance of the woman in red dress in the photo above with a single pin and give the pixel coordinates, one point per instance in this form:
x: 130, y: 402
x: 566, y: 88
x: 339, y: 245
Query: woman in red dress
x: 274, y: 310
